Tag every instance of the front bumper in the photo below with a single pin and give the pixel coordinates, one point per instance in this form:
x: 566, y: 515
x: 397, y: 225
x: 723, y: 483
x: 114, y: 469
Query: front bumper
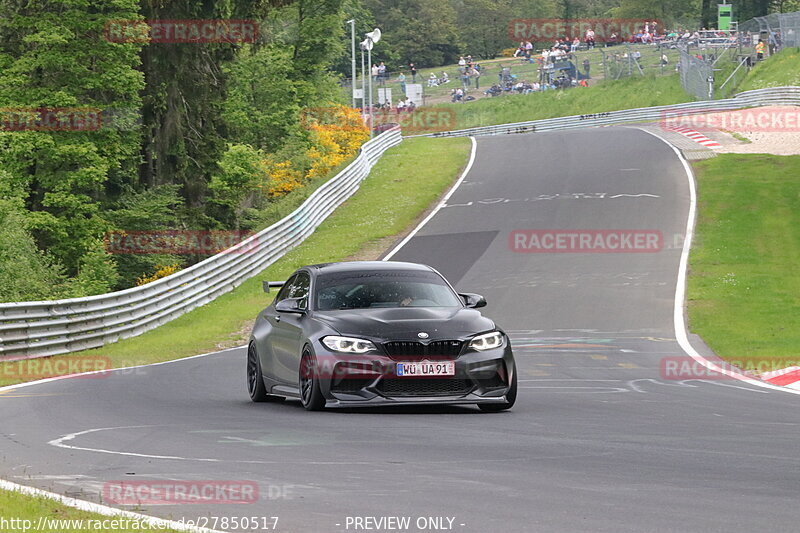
x: 371, y: 379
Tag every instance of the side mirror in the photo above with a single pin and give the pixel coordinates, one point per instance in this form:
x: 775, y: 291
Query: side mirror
x: 267, y: 284
x: 292, y: 305
x: 473, y: 300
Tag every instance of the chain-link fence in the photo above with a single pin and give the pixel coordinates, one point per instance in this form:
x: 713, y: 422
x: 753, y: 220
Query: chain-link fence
x: 637, y: 60
x: 697, y: 76
x: 779, y: 30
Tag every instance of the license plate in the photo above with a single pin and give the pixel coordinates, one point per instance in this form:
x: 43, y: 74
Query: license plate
x: 426, y: 368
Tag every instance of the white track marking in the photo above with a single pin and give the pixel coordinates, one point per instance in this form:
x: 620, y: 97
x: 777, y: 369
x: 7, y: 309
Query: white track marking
x: 154, y: 524
x: 440, y: 205
x: 680, y: 288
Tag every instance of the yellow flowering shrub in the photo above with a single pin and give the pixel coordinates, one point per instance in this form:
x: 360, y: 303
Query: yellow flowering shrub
x: 162, y: 271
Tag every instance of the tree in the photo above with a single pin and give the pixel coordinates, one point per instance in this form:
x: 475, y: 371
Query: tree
x: 56, y: 63
x: 484, y: 26
x: 419, y: 31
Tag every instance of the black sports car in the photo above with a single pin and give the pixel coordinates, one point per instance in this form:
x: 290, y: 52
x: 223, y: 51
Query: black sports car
x: 378, y: 333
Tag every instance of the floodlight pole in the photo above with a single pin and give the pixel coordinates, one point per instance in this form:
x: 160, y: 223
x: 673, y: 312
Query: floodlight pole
x: 369, y: 65
x: 363, y: 86
x: 352, y: 23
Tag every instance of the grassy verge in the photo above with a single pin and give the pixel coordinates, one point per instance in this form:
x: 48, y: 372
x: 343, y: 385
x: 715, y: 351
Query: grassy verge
x: 779, y: 70
x: 744, y: 287
x: 27, y: 510
x: 400, y: 188
x: 626, y: 93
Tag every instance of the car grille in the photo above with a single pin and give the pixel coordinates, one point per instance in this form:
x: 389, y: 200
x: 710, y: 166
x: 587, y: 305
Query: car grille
x: 417, y: 349
x: 424, y: 387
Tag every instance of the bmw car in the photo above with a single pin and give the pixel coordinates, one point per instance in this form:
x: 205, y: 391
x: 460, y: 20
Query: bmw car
x: 367, y: 333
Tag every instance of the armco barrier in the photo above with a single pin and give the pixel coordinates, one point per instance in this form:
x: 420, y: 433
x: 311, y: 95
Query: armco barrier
x: 36, y: 329
x: 758, y: 97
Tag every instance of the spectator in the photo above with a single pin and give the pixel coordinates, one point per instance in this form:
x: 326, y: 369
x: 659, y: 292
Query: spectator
x: 457, y: 94
x: 413, y: 68
x: 465, y: 81
x: 433, y: 81
x: 528, y: 48
x: 475, y: 73
x: 462, y: 64
x: 586, y: 66
x: 375, y: 72
x: 444, y: 78
x: 402, y: 79
x: 590, y: 38
x: 401, y: 105
x: 575, y: 44
x: 382, y: 74
x: 664, y: 60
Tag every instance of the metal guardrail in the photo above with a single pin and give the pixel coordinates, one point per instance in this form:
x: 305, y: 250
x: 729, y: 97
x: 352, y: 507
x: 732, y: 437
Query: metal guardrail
x: 755, y: 98
x: 38, y: 329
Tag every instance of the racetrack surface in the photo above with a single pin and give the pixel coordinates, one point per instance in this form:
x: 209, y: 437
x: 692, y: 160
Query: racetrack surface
x: 599, y: 440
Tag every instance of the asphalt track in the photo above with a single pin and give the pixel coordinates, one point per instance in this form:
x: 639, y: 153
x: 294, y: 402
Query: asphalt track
x: 599, y: 441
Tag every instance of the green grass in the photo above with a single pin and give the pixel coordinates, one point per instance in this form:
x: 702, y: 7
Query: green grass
x: 610, y: 95
x: 744, y: 282
x: 780, y: 70
x: 21, y: 507
x: 400, y: 188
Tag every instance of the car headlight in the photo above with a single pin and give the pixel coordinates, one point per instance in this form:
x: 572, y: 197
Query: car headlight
x: 487, y: 341
x: 347, y: 344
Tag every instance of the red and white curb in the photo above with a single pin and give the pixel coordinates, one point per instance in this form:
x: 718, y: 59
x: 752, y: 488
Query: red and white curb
x: 786, y: 377
x: 697, y: 137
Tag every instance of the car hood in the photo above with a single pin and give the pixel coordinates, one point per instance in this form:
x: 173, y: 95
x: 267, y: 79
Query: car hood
x: 403, y: 323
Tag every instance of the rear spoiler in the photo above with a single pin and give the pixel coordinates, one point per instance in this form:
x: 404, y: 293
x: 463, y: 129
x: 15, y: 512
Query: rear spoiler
x: 267, y: 284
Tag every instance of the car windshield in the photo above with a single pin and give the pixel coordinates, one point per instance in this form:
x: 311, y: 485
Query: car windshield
x: 393, y: 288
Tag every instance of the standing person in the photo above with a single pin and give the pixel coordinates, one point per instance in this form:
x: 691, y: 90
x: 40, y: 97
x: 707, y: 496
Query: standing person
x: 476, y: 73
x: 413, y: 69
x: 465, y: 81
x: 462, y: 64
x: 375, y: 72
x: 382, y: 74
x: 402, y: 79
x: 586, y: 66
x: 760, y: 49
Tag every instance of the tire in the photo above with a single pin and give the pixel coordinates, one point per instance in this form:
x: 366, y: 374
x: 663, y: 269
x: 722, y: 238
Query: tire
x: 255, y: 379
x: 310, y: 393
x: 511, y: 397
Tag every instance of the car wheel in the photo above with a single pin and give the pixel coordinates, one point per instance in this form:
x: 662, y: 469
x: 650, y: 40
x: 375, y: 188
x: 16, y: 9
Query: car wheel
x: 310, y: 393
x: 255, y: 379
x: 511, y: 397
